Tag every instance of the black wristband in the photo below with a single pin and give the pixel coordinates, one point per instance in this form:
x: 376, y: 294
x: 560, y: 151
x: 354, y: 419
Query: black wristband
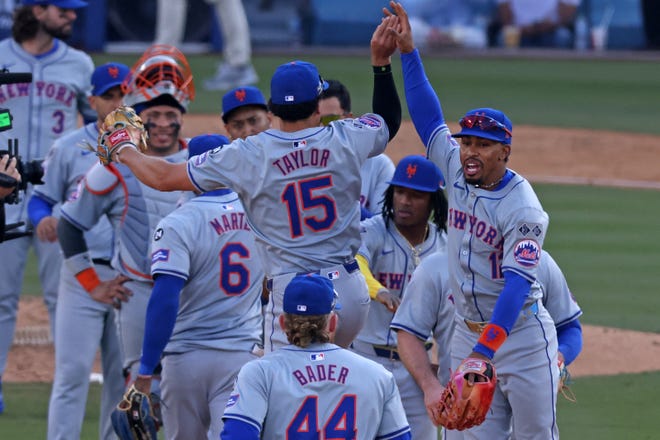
x: 380, y: 70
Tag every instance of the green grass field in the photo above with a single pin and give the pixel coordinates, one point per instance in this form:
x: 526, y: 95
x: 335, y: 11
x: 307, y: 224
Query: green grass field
x: 605, y: 239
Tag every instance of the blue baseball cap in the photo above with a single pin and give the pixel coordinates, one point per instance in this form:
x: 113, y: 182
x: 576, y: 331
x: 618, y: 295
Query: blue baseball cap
x: 486, y: 123
x: 107, y: 76
x: 296, y: 82
x: 240, y: 97
x: 64, y: 4
x: 205, y: 142
x: 419, y: 173
x: 310, y: 294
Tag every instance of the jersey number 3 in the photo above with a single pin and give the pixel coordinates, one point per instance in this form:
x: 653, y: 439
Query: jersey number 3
x: 299, y: 197
x: 340, y: 425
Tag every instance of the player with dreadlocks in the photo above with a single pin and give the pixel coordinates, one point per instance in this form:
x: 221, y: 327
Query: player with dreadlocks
x: 411, y: 226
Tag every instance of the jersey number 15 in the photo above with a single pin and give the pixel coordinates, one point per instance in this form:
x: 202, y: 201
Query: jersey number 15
x: 299, y: 197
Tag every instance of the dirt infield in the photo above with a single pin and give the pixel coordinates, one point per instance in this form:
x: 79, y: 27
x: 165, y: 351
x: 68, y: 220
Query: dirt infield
x: 540, y: 153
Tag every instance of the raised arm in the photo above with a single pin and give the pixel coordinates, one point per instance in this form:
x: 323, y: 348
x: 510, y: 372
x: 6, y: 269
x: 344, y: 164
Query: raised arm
x: 423, y: 104
x: 385, y: 100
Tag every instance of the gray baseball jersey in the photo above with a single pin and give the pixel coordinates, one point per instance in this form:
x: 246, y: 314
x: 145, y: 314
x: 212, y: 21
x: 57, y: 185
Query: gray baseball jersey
x: 490, y: 232
x: 301, y: 195
x: 375, y: 172
x: 84, y: 323
x: 326, y: 390
x: 428, y: 309
x: 46, y: 108
x: 557, y: 297
x: 66, y: 164
x: 300, y: 190
x: 134, y: 210
x: 207, y: 242
x: 392, y: 261
x: 42, y: 111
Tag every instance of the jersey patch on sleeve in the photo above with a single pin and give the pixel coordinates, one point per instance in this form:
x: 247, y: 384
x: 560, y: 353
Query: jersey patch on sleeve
x: 525, y: 229
x: 368, y: 121
x: 158, y: 234
x: 160, y: 255
x: 233, y: 399
x: 527, y: 253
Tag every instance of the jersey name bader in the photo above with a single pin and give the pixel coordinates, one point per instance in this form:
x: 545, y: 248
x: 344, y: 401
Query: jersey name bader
x: 302, y: 158
x: 319, y: 373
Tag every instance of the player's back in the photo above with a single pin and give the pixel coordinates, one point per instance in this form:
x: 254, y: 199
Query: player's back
x: 301, y: 190
x: 321, y: 388
x: 208, y: 242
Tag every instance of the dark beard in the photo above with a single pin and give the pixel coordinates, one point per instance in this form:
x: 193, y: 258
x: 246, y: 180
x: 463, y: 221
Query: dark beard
x: 61, y: 33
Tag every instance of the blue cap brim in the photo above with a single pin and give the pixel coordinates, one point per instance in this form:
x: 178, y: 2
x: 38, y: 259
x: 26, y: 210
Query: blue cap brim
x: 483, y: 134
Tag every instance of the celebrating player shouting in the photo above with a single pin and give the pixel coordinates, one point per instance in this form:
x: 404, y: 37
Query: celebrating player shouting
x: 496, y: 230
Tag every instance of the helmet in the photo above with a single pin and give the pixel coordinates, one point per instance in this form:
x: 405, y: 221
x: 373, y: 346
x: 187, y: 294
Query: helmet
x: 419, y: 173
x: 161, y: 70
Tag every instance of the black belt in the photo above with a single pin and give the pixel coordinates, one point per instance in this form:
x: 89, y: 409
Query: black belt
x: 392, y: 353
x: 101, y: 261
x: 350, y: 267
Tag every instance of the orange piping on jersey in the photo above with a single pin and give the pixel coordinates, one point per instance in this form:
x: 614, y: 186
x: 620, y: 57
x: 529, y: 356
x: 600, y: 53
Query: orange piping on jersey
x: 135, y: 272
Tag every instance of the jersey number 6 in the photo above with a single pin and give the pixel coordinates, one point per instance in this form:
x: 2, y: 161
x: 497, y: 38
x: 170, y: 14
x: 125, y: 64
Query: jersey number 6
x: 299, y: 197
x: 340, y: 425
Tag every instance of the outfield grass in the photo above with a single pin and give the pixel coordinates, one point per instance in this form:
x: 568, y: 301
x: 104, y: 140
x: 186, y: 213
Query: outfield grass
x: 596, y: 94
x: 607, y: 408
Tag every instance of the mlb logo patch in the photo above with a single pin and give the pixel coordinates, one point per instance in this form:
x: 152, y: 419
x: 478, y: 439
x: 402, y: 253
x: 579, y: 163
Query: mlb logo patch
x: 227, y: 207
x: 160, y: 255
x: 316, y: 357
x: 333, y: 275
x: 233, y: 399
x: 301, y: 308
x: 527, y: 253
x: 300, y: 144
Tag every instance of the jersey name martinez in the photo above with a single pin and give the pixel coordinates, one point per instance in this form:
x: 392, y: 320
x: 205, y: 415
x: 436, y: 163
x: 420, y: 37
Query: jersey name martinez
x: 235, y: 221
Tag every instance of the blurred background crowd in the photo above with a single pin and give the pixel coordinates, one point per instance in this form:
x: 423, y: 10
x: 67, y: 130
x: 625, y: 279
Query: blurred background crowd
x: 127, y: 25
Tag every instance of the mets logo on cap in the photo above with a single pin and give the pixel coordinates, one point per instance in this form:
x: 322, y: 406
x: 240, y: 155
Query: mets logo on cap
x: 527, y: 253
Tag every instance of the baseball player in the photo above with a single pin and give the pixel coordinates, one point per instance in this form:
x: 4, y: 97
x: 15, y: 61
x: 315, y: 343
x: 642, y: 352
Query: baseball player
x: 204, y: 314
x: 42, y: 112
x: 393, y: 245
x: 67, y: 162
x: 312, y: 388
x: 496, y: 228
x: 299, y: 185
x: 160, y: 87
x: 428, y: 308
x: 335, y: 103
x: 245, y: 112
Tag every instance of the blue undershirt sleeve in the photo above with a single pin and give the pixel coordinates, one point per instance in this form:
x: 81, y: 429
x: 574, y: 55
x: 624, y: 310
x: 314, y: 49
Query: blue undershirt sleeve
x: 423, y: 104
x: 38, y: 208
x: 234, y: 429
x: 161, y: 316
x: 508, y: 306
x: 569, y: 336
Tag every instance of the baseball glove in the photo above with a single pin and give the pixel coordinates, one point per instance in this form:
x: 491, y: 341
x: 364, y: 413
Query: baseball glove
x: 121, y: 128
x: 565, y: 381
x: 134, y: 418
x: 468, y: 395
